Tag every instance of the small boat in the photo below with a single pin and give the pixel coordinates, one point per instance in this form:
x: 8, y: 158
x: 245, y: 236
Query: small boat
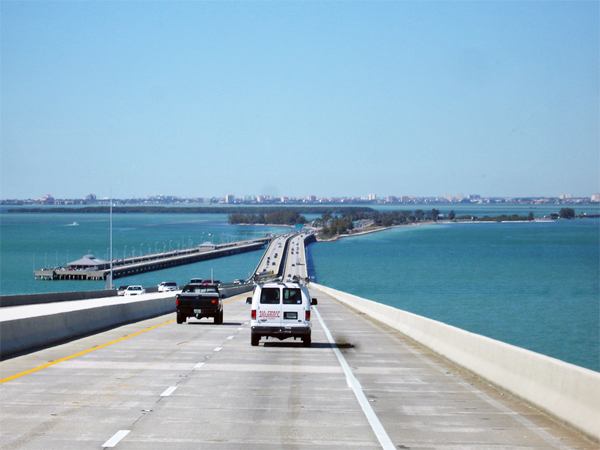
x: 74, y: 224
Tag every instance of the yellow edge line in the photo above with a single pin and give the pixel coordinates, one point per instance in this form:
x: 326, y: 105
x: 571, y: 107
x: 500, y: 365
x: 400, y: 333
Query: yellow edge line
x: 92, y: 349
x: 81, y: 353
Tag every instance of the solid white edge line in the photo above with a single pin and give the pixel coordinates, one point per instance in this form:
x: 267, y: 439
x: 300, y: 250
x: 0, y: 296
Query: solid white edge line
x: 169, y: 391
x: 380, y: 433
x: 116, y: 438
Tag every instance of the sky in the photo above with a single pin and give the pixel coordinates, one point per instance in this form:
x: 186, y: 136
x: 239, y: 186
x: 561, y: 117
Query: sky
x: 296, y: 98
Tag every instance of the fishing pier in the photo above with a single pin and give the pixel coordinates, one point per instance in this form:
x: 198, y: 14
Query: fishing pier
x: 147, y: 263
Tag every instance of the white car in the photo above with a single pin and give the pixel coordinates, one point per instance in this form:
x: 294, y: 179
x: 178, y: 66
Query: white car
x: 167, y: 286
x: 134, y: 290
x: 281, y: 310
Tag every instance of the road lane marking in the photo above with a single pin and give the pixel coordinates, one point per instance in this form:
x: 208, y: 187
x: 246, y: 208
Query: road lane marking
x: 113, y: 441
x: 168, y: 391
x: 200, y: 364
x: 218, y: 349
x: 380, y: 433
x: 82, y: 353
x: 92, y: 349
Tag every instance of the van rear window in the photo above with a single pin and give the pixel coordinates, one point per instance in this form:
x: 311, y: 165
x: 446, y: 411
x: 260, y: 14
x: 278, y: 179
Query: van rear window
x: 292, y: 297
x: 269, y: 296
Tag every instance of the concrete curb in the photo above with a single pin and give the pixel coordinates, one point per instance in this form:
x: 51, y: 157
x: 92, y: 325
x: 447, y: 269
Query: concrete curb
x: 568, y: 392
x: 35, y: 329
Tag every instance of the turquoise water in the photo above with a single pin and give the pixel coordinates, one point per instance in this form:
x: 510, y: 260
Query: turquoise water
x: 534, y: 285
x: 32, y: 241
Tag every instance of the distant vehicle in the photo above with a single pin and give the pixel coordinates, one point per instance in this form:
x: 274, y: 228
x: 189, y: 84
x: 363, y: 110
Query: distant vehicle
x: 121, y: 290
x: 196, y: 281
x: 134, y: 290
x: 281, y: 310
x: 238, y: 281
x: 167, y: 286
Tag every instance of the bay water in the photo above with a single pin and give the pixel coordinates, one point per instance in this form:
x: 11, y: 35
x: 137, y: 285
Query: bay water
x: 535, y: 284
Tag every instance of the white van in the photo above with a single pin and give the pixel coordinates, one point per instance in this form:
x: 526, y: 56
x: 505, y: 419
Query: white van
x: 281, y: 310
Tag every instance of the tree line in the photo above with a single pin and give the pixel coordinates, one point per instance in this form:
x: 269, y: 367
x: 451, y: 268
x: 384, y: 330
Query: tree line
x: 285, y: 217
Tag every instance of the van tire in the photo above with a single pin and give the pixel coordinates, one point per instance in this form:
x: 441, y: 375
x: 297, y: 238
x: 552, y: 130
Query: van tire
x: 254, y: 340
x: 306, y: 341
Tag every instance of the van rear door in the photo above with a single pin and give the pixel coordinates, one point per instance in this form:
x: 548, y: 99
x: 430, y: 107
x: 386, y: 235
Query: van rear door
x: 292, y: 306
x: 269, y: 308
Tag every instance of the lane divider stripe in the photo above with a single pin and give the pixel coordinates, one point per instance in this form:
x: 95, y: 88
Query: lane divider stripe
x: 168, y: 391
x: 82, y: 353
x: 113, y: 441
x: 380, y: 433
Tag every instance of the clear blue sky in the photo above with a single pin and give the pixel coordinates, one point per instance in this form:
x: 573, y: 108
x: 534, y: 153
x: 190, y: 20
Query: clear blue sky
x: 197, y: 99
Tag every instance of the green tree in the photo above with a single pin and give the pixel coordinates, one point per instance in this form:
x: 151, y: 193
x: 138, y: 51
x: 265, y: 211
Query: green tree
x: 567, y: 213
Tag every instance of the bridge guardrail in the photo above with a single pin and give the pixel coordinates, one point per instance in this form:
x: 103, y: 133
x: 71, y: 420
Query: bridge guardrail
x: 569, y: 393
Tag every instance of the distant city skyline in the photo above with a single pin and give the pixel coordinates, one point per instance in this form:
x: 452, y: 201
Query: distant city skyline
x: 92, y: 199
x: 292, y: 99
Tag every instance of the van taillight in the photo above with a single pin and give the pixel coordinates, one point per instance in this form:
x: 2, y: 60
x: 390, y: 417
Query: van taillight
x: 307, y: 314
x: 253, y: 314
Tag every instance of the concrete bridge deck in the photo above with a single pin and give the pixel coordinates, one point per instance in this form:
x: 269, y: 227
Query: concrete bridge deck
x: 155, y: 384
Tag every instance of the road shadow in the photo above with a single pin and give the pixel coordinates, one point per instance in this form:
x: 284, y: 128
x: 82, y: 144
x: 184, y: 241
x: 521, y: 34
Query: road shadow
x: 298, y: 343
x: 210, y: 322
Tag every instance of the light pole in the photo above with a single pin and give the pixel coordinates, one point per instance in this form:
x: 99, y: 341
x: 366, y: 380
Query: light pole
x: 124, y: 252
x: 141, y: 251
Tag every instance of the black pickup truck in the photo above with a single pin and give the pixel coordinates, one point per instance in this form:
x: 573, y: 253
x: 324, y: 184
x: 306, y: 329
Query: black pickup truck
x: 199, y: 300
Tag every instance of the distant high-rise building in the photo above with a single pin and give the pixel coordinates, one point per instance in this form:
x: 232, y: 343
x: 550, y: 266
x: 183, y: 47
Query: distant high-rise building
x: 229, y: 198
x: 448, y: 197
x: 596, y: 197
x: 372, y: 197
x: 460, y: 197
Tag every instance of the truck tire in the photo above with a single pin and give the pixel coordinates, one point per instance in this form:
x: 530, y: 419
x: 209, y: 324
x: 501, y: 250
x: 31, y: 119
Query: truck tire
x: 219, y: 318
x: 181, y: 318
x: 254, y: 340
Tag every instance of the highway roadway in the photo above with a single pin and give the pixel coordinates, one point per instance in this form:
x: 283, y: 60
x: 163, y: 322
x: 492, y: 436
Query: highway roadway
x: 158, y: 385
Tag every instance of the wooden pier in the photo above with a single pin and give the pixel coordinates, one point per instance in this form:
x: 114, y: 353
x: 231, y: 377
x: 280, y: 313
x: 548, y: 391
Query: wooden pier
x: 156, y: 261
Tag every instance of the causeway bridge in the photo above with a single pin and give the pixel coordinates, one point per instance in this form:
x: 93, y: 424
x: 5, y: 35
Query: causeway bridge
x: 145, y: 263
x: 374, y: 378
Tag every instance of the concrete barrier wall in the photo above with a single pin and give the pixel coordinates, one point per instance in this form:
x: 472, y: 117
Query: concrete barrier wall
x: 565, y: 391
x: 235, y: 289
x: 37, y: 299
x: 35, y: 331
x: 31, y: 299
